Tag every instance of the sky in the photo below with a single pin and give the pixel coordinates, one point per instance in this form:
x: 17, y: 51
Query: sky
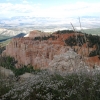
x: 49, y: 8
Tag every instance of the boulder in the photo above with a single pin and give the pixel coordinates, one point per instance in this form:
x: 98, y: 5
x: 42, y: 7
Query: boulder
x: 25, y: 76
x: 6, y: 72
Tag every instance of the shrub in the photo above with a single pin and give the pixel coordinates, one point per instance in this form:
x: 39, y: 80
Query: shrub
x: 54, y: 86
x: 9, y: 63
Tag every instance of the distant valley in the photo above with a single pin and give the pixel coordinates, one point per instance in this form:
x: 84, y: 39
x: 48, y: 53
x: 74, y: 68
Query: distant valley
x: 48, y: 23
x: 10, y: 27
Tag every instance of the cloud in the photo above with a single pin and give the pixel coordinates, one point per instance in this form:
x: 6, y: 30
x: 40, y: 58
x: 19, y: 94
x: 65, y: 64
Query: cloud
x: 77, y: 9
x: 27, y: 9
x: 25, y: 1
x: 15, y: 9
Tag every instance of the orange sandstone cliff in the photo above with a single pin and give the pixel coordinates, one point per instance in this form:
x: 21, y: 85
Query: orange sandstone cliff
x: 38, y: 49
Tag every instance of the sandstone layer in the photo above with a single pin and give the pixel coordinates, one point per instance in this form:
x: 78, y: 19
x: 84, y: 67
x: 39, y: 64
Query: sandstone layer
x: 36, y: 53
x: 42, y: 51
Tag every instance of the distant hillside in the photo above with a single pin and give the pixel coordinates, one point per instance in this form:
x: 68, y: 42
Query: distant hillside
x: 3, y: 37
x: 4, y: 43
x: 6, y: 38
x: 19, y: 35
x: 12, y: 32
x: 95, y: 31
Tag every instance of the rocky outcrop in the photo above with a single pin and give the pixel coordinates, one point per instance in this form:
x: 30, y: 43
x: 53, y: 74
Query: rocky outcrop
x: 68, y: 62
x: 37, y: 53
x: 36, y: 33
x: 43, y: 51
x: 26, y: 76
x: 6, y: 72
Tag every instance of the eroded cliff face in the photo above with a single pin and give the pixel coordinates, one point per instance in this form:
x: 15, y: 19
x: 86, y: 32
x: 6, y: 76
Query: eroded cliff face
x: 40, y: 51
x: 36, y: 53
x: 69, y: 61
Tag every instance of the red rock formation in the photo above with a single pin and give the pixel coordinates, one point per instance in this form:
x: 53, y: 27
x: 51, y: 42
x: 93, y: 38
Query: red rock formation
x: 39, y: 53
x: 35, y: 33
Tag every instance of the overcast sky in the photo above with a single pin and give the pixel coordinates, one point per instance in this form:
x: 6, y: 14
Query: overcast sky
x: 49, y: 8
